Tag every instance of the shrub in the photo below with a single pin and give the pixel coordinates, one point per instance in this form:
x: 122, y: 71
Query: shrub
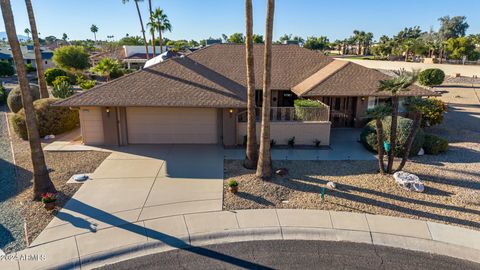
x: 50, y: 119
x: 431, y: 77
x: 87, y: 84
x: 14, y: 100
x: 62, y: 89
x: 368, y: 136
x: 6, y: 68
x: 30, y: 68
x: 232, y: 183
x: 60, y: 79
x: 306, y: 103
x: 432, y: 112
x: 305, y: 114
x: 52, y: 73
x: 71, y: 57
x: 3, y: 95
x: 434, y: 145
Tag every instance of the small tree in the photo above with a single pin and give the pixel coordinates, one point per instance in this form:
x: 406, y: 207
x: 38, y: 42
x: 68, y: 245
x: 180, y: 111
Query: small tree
x: 71, y: 57
x: 431, y: 77
x: 378, y: 113
x: 108, y: 68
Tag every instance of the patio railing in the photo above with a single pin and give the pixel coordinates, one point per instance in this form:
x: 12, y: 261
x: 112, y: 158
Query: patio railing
x: 292, y: 114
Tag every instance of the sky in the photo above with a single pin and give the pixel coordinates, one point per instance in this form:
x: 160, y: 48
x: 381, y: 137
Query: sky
x: 200, y: 19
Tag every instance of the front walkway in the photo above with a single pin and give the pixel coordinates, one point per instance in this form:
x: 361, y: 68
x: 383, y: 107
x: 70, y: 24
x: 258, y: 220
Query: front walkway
x: 142, y: 182
x: 89, y: 250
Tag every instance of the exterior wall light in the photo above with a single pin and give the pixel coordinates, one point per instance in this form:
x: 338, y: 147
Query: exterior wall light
x: 107, y: 109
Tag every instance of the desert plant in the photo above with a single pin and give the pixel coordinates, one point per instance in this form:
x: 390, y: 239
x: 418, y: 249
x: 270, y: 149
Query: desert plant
x: 14, y: 99
x: 50, y: 119
x: 368, y: 136
x: 62, y: 89
x: 317, y: 142
x: 232, y: 183
x: 432, y: 110
x: 30, y: 68
x: 109, y: 68
x: 291, y: 142
x: 378, y: 113
x: 49, y: 197
x: 431, y: 77
x: 60, y: 79
x: 52, y: 73
x: 434, y: 145
x: 87, y: 84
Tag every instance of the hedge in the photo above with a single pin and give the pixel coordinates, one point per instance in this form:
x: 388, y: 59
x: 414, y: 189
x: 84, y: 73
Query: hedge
x: 50, y: 119
x: 14, y: 100
x: 431, y: 77
x: 434, y: 145
x: 368, y: 137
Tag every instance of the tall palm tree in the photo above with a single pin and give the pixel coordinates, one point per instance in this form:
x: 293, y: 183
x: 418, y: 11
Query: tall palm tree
x: 41, y: 178
x: 162, y: 23
x: 251, y: 157
x: 413, y: 106
x: 394, y: 86
x: 141, y: 24
x: 94, y: 30
x: 42, y: 83
x: 378, y: 113
x: 264, y: 167
x: 152, y: 32
x: 27, y: 32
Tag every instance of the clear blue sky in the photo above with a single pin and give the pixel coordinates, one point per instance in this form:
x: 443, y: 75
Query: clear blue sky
x: 199, y: 19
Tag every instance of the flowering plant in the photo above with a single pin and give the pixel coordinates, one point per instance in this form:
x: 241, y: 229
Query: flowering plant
x: 49, y: 197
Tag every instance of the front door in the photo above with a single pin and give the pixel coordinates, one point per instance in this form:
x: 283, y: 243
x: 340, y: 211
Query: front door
x: 342, y: 110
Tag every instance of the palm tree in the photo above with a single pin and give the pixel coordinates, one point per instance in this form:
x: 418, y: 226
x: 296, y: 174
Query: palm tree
x: 394, y: 86
x: 106, y: 67
x: 94, y: 30
x: 152, y: 32
x: 413, y: 106
x: 264, y: 167
x: 141, y: 24
x: 41, y: 178
x: 42, y: 83
x: 162, y: 24
x: 378, y: 113
x: 251, y: 157
x: 27, y: 32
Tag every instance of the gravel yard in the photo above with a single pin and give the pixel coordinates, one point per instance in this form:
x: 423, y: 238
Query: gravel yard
x: 452, y: 180
x: 21, y: 209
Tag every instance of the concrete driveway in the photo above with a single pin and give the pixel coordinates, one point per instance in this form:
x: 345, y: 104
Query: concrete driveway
x: 142, y: 182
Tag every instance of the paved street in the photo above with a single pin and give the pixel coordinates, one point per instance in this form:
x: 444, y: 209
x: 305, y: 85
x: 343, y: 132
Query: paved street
x: 293, y: 255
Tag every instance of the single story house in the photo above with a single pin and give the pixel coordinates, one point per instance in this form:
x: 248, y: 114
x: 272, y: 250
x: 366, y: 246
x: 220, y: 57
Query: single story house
x: 202, y: 97
x: 28, y: 55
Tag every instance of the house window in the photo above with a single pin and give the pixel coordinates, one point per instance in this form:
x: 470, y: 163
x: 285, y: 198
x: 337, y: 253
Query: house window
x: 46, y: 62
x: 374, y: 101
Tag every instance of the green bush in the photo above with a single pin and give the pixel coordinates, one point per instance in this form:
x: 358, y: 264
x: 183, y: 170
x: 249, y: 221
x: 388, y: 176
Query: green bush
x: 368, y: 136
x: 50, y: 119
x: 30, y: 68
x: 306, y: 103
x: 431, y: 77
x: 62, y: 88
x: 87, y: 84
x: 6, y: 68
x: 432, y: 112
x: 434, y: 145
x: 52, y: 73
x: 71, y: 57
x: 60, y: 79
x: 14, y: 99
x: 3, y: 95
x: 305, y: 114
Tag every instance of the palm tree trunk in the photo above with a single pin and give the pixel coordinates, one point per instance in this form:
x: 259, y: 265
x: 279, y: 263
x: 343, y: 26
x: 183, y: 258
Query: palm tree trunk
x: 160, y: 38
x: 251, y: 158
x: 38, y: 54
x: 41, y: 178
x: 380, y: 150
x: 264, y: 167
x: 153, y: 32
x: 411, y: 137
x: 143, y: 29
x: 393, y: 133
x: 406, y: 55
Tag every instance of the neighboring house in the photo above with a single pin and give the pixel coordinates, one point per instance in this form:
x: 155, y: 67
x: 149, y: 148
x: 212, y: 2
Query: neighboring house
x: 202, y: 98
x: 28, y: 56
x: 135, y: 56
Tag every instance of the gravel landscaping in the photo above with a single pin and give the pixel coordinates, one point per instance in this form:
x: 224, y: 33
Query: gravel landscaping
x: 19, y: 209
x: 452, y: 179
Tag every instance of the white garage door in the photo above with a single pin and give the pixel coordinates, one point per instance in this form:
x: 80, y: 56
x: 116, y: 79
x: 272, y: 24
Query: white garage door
x: 172, y: 125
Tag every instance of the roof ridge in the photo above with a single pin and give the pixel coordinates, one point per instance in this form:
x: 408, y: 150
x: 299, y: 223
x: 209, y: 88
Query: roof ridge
x: 319, y: 77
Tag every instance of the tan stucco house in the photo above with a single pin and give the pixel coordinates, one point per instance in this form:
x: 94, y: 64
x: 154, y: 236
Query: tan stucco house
x: 201, y: 98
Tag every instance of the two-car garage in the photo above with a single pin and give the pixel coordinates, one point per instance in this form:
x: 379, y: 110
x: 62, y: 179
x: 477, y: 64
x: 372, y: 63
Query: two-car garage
x: 151, y: 125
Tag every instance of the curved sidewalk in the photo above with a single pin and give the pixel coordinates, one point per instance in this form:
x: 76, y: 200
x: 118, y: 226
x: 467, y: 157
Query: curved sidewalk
x: 113, y: 244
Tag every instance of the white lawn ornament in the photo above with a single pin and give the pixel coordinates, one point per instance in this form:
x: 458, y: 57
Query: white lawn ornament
x: 408, y: 181
x: 80, y: 177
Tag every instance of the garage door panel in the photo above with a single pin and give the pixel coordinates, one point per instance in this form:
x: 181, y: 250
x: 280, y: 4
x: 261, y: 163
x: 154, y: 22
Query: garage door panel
x: 172, y: 125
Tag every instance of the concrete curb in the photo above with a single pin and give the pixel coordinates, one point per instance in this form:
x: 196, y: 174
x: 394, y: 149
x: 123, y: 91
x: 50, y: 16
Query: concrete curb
x: 197, y: 230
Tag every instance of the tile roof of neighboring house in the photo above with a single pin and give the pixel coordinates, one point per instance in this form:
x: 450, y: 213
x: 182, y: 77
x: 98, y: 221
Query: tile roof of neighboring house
x: 140, y: 56
x: 215, y: 76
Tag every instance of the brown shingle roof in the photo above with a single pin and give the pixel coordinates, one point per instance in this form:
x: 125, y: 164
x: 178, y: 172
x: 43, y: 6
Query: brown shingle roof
x: 356, y: 80
x: 215, y: 76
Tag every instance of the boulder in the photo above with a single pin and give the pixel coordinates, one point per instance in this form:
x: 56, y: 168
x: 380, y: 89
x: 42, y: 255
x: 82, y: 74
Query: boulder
x: 281, y: 171
x: 331, y: 185
x: 408, y: 181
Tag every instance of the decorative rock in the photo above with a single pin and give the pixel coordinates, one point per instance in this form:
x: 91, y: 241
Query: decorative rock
x: 331, y: 185
x: 281, y: 171
x: 421, y: 152
x: 80, y: 177
x: 408, y: 181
